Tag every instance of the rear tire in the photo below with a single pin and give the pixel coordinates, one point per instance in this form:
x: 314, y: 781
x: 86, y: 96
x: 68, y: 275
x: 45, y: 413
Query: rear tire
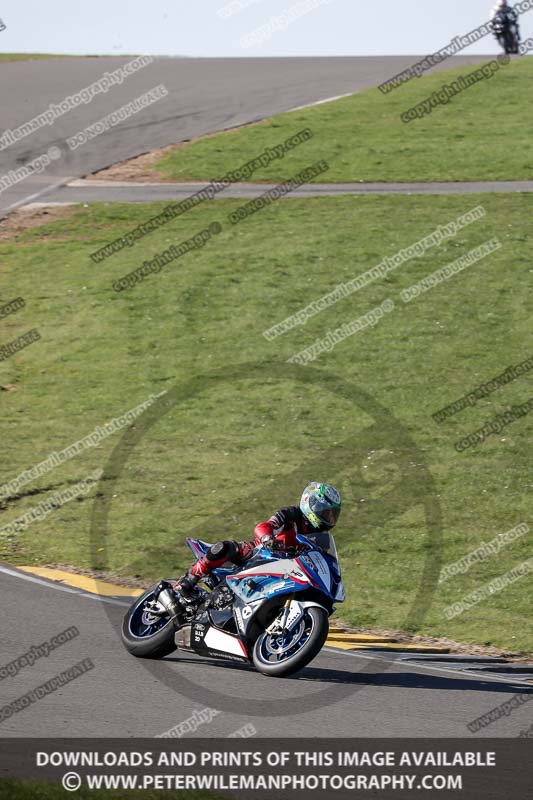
x: 317, y: 619
x: 151, y: 644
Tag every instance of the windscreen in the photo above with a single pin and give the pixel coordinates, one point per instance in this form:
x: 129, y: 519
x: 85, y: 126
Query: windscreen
x: 325, y: 541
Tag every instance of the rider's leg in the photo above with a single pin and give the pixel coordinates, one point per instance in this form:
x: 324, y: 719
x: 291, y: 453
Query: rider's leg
x: 216, y: 556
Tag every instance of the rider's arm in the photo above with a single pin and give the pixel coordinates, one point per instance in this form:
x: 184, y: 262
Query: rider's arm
x: 280, y: 525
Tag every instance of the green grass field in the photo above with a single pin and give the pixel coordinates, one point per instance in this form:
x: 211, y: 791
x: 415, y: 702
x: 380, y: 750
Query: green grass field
x: 236, y: 448
x: 31, y: 56
x: 18, y: 790
x: 484, y: 133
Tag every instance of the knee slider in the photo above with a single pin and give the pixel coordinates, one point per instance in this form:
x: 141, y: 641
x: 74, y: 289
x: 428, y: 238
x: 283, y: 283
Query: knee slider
x: 221, y: 550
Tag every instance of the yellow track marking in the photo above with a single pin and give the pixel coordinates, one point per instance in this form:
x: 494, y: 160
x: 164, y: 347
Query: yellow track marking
x: 359, y: 637
x: 416, y: 648
x: 91, y: 585
x: 338, y: 637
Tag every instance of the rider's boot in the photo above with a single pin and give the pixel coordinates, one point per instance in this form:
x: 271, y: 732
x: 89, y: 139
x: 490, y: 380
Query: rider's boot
x: 185, y: 588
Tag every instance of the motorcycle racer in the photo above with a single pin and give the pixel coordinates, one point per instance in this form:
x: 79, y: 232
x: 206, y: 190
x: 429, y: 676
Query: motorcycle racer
x: 503, y: 7
x: 509, y: 17
x: 319, y: 511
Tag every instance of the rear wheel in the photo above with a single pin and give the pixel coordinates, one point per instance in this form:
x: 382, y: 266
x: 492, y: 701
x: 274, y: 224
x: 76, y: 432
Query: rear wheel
x: 282, y: 654
x: 147, y: 635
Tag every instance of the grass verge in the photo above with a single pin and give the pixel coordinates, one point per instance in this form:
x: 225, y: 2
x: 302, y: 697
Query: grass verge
x: 32, y: 56
x: 232, y: 453
x: 484, y: 133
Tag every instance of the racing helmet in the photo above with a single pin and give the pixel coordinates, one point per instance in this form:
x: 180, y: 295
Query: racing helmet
x: 321, y: 505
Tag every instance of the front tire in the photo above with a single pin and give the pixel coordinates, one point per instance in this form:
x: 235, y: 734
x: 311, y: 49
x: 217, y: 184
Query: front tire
x: 144, y: 635
x: 277, y: 658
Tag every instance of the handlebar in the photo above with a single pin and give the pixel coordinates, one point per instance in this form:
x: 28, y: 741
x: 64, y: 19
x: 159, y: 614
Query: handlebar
x: 280, y: 549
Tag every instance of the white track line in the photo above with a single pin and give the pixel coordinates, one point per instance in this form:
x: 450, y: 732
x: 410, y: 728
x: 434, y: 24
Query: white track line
x: 52, y: 203
x: 457, y: 673
x: 321, y: 102
x: 30, y: 197
x: 84, y: 183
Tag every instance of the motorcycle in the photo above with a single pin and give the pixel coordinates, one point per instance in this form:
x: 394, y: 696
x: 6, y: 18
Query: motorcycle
x: 273, y: 611
x: 506, y: 32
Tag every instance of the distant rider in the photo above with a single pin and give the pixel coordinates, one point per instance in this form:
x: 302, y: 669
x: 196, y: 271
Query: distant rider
x: 502, y: 7
x: 509, y: 14
x: 319, y: 510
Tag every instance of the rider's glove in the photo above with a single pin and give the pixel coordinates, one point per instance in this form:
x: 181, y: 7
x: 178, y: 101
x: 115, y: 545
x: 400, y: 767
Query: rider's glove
x: 271, y: 543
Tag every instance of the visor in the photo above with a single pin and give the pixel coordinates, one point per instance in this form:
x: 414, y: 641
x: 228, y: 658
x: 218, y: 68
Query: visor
x: 326, y: 513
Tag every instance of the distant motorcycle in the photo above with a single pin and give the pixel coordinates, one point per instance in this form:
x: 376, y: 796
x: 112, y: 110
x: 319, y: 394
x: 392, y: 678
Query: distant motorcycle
x: 507, y: 32
x: 273, y: 611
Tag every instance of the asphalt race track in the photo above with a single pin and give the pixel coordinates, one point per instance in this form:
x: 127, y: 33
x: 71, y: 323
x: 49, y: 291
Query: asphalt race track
x: 204, y: 95
x: 353, y: 694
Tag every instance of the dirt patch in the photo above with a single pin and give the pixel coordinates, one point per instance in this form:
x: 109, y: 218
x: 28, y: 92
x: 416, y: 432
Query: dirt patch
x: 140, y: 169
x: 26, y: 217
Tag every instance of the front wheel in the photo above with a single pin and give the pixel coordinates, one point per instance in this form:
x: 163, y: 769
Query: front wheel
x: 510, y: 44
x: 146, y: 635
x: 278, y: 655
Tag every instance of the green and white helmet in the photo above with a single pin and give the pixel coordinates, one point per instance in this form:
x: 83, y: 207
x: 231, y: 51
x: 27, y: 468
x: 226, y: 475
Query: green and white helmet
x: 321, y: 505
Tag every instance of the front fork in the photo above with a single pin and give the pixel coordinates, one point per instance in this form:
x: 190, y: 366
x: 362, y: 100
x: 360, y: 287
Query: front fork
x: 279, y: 626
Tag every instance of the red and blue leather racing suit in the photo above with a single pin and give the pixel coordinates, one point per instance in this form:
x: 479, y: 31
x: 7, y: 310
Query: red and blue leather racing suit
x: 283, y: 525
